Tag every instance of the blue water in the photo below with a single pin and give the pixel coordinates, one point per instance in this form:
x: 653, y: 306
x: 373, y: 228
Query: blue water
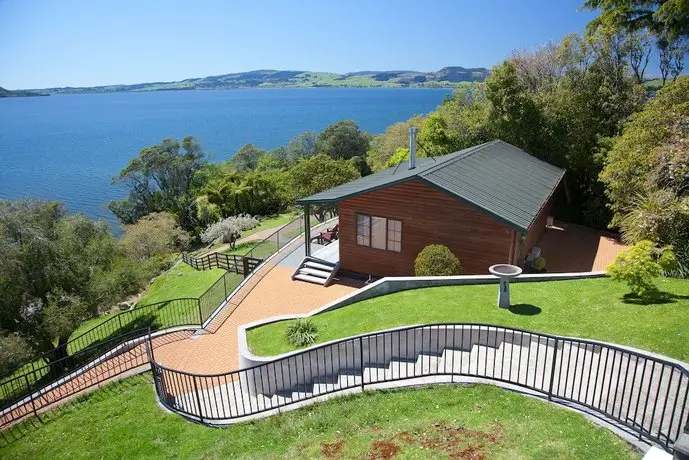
x: 68, y: 148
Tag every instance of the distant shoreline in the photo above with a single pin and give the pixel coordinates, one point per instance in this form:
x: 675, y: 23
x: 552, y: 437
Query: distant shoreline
x: 445, y: 78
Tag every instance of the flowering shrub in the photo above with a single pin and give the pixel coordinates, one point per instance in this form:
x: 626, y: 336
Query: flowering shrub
x: 229, y: 229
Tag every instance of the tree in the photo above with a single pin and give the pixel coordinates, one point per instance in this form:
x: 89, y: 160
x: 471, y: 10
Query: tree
x: 640, y: 47
x: 661, y: 17
x: 318, y: 173
x: 343, y: 140
x: 246, y: 158
x: 302, y: 146
x: 161, y: 178
x: 384, y: 146
x: 646, y: 175
x: 154, y: 235
x: 48, y: 265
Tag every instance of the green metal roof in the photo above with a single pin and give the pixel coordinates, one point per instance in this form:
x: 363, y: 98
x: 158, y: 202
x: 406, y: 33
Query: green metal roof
x: 496, y: 177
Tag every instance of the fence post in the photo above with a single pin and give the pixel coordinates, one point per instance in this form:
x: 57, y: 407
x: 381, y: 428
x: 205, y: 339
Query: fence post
x: 245, y: 266
x: 198, y: 301
x: 198, y: 400
x: 361, y: 361
x: 552, y: 372
x: 224, y: 282
x: 33, y: 404
x: 278, y: 238
x: 119, y: 319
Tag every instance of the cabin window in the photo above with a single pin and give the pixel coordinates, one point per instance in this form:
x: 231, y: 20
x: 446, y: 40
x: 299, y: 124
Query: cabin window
x: 363, y: 230
x: 379, y: 232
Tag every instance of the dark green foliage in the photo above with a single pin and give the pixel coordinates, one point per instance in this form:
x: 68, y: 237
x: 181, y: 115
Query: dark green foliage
x: 162, y: 178
x: 14, y: 352
x: 343, y: 140
x: 246, y: 158
x: 436, y: 260
x: 301, y: 333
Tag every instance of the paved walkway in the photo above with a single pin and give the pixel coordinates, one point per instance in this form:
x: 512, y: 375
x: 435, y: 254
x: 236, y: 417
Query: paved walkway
x: 269, y: 292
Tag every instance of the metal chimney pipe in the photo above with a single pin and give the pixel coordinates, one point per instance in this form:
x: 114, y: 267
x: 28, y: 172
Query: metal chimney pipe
x: 412, y: 147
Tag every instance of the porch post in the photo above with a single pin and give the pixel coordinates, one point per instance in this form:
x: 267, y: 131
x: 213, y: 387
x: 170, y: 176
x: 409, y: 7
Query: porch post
x: 307, y: 230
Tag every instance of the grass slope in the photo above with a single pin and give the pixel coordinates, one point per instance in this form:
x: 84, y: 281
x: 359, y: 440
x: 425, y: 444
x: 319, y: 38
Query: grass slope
x: 123, y: 421
x: 180, y: 281
x: 593, y: 308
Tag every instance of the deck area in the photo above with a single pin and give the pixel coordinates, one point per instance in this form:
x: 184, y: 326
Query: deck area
x: 573, y: 248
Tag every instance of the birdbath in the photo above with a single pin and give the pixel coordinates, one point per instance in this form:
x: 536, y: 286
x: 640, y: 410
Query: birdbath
x: 505, y: 272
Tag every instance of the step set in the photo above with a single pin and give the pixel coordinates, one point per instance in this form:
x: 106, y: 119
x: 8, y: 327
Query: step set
x: 316, y: 271
x: 582, y: 374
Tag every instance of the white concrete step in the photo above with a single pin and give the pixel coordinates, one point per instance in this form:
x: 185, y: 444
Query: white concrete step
x: 319, y: 265
x: 310, y: 279
x: 317, y: 273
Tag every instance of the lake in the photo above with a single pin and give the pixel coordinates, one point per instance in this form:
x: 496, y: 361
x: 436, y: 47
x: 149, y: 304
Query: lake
x: 69, y: 147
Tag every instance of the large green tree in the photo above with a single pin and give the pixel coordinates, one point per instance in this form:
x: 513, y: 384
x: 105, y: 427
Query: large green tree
x: 647, y: 173
x: 48, y: 265
x: 662, y: 17
x: 343, y: 140
x: 318, y: 173
x: 162, y: 178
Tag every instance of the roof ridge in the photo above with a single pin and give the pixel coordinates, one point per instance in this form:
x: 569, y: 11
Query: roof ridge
x: 469, y: 151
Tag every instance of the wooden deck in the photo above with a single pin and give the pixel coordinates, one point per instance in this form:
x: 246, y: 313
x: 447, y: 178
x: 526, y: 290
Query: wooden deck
x: 573, y: 248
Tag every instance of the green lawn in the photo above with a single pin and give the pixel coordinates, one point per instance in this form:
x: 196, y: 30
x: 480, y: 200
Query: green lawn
x: 593, y: 308
x: 124, y: 421
x: 180, y: 281
x: 271, y: 222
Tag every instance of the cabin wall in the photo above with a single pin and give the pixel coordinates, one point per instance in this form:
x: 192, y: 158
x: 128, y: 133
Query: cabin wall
x: 536, y: 230
x: 428, y: 216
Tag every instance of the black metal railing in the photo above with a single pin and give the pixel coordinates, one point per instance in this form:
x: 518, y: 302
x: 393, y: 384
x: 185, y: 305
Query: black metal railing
x: 55, y: 366
x: 643, y: 393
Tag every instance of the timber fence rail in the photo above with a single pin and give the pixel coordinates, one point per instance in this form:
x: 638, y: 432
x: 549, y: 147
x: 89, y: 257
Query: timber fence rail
x: 259, y: 251
x: 644, y: 394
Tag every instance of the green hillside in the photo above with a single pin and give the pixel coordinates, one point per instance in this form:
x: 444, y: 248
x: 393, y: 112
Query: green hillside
x: 447, y: 77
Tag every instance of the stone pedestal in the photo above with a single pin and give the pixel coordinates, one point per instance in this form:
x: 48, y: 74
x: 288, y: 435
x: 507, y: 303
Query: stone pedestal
x: 504, y: 293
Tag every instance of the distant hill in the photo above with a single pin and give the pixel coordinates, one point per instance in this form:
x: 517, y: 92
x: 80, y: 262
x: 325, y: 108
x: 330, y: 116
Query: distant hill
x: 447, y: 77
x: 19, y: 93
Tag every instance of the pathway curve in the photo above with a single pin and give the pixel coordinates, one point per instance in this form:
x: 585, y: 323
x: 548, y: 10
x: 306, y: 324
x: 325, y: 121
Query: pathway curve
x: 269, y: 292
x: 258, y: 236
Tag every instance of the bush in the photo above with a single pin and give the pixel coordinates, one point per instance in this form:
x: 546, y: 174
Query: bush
x: 154, y: 235
x: 640, y: 264
x: 301, y: 333
x: 228, y: 229
x: 14, y: 351
x: 436, y: 260
x: 539, y: 264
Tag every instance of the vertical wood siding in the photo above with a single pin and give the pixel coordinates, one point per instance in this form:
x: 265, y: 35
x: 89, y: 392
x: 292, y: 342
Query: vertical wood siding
x: 428, y: 216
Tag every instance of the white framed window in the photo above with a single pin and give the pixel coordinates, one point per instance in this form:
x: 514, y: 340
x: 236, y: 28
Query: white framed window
x: 363, y: 230
x: 379, y: 232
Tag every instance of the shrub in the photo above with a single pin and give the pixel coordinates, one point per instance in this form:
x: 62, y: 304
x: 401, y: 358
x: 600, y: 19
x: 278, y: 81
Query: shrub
x: 436, y: 260
x: 154, y: 235
x: 228, y: 228
x: 14, y: 351
x: 301, y: 333
x: 539, y: 264
x: 640, y: 264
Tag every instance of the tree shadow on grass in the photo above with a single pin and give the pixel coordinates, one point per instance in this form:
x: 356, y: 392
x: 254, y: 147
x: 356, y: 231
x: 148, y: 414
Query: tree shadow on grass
x: 656, y: 298
x: 525, y: 309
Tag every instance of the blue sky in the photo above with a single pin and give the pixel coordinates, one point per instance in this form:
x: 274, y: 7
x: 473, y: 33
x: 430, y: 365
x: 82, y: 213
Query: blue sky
x: 47, y: 43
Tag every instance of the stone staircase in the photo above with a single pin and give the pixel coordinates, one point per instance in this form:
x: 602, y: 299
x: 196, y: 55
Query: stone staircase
x: 316, y: 271
x: 625, y: 387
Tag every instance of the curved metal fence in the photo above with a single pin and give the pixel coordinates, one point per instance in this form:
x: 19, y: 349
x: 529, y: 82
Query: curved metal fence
x: 113, y: 336
x: 644, y: 393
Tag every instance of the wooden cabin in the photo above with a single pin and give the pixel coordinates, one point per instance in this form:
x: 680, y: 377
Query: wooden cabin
x: 488, y: 204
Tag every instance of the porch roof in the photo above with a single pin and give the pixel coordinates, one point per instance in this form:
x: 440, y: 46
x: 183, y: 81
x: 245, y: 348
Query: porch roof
x: 498, y: 178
